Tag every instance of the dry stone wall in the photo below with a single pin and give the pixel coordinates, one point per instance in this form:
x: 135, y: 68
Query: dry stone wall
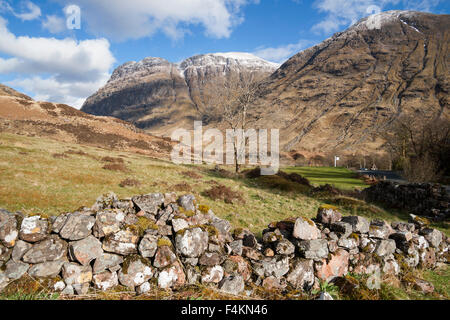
x: 159, y: 240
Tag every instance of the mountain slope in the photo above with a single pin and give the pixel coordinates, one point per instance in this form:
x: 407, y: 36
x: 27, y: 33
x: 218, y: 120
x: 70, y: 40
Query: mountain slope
x: 19, y: 114
x: 157, y: 95
x: 342, y: 92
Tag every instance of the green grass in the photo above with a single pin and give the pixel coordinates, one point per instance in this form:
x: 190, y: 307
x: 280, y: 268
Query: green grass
x: 340, y: 178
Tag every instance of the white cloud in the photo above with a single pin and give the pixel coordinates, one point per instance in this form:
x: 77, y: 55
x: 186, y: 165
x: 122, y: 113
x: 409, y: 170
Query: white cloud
x: 343, y: 13
x: 134, y: 19
x: 282, y: 53
x: 30, y: 11
x: 62, y: 70
x: 54, y: 24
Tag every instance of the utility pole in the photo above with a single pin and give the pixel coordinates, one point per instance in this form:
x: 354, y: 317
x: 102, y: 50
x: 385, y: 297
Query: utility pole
x: 336, y: 159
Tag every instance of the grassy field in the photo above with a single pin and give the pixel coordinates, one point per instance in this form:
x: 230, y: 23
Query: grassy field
x: 44, y: 176
x: 340, y: 178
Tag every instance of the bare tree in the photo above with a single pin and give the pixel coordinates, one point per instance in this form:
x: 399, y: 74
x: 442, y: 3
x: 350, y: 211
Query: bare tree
x: 229, y: 101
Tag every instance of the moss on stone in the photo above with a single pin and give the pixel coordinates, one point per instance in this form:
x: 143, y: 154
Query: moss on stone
x: 164, y: 242
x: 203, y: 208
x: 133, y: 258
x: 327, y: 207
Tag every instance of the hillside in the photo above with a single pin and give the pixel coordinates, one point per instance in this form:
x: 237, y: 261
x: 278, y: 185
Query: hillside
x: 341, y: 93
x: 20, y: 114
x: 159, y: 96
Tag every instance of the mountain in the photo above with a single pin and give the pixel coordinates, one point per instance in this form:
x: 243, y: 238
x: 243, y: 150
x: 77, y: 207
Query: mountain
x: 157, y: 95
x: 342, y: 92
x: 19, y: 114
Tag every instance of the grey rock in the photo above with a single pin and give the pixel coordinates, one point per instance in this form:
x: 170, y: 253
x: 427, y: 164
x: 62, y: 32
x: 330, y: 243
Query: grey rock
x: 108, y: 222
x: 209, y: 259
x: 325, y: 296
x: 403, y: 226
x: 86, y: 250
x: 305, y: 229
x: 187, y: 202
x: 385, y: 247
x: 179, y: 224
x: 78, y: 226
x: 20, y: 249
x: 212, y: 274
x: 276, y: 266
x: 313, y: 249
x: 192, y: 242
x: 233, y: 284
x: 224, y: 228
x: 236, y: 247
x: 68, y: 291
x: 328, y: 215
x: 4, y: 281
x: 148, y: 246
x: 46, y: 269
x: 8, y: 229
x: 348, y: 243
x: 284, y: 247
x: 359, y: 224
x: 138, y: 271
x: 380, y: 229
x: 301, y: 275
x: 143, y: 288
x: 81, y: 288
x: 164, y: 257
x: 149, y: 203
x: 5, y: 253
x: 123, y: 242
x: 50, y: 249
x: 400, y: 236
x: 15, y: 270
x: 106, y: 280
x: 34, y: 229
x: 59, y: 222
x: 433, y: 236
x: 106, y: 261
x: 75, y: 274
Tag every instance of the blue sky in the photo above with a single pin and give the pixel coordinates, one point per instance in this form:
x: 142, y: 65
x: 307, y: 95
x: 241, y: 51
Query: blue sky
x: 40, y: 56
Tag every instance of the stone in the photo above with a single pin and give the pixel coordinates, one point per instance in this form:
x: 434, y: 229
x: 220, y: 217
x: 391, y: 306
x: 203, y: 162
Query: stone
x: 270, y: 237
x: 5, y: 253
x: 34, y: 229
x: 212, y: 274
x: 272, y: 283
x: 143, y: 288
x: 106, y: 261
x: 328, y: 215
x: 325, y: 296
x: 233, y: 284
x: 107, y: 222
x: 170, y: 197
x: 251, y: 253
x: 412, y: 259
x: 81, y: 288
x: 192, y: 242
x: 380, y: 229
x: 224, y: 228
x: 123, y: 242
x: 172, y: 276
x: 385, y: 247
x: 149, y: 203
x: 343, y: 228
x: 135, y: 271
x: 359, y: 224
x: 420, y: 242
x: 313, y: 249
x: 59, y: 222
x: 285, y: 247
x: 59, y: 286
x: 50, y: 249
x: 423, y: 286
x: 165, y: 230
x: 276, y: 266
x: 400, y: 236
x: 237, y: 264
x: 301, y: 275
x: 4, y: 281
x: 106, y: 201
x: 403, y: 226
x: 179, y: 224
x: 15, y: 270
x: 209, y: 259
x: 86, y: 250
x: 187, y: 202
x: 78, y: 226
x: 305, y: 229
x: 249, y: 240
x: 148, y: 246
x: 428, y: 258
x: 164, y: 257
x: 47, y: 269
x: 8, y: 229
x: 106, y: 280
x: 433, y: 236
x: 268, y: 252
x: 336, y: 266
x: 348, y: 243
x: 20, y: 249
x: 75, y: 274
x: 391, y: 266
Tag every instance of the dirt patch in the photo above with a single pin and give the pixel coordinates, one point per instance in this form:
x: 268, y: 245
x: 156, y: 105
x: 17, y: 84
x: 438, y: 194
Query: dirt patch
x: 182, y: 187
x: 192, y: 174
x: 116, y: 167
x: 224, y: 193
x: 60, y: 156
x: 130, y: 183
x: 112, y: 160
